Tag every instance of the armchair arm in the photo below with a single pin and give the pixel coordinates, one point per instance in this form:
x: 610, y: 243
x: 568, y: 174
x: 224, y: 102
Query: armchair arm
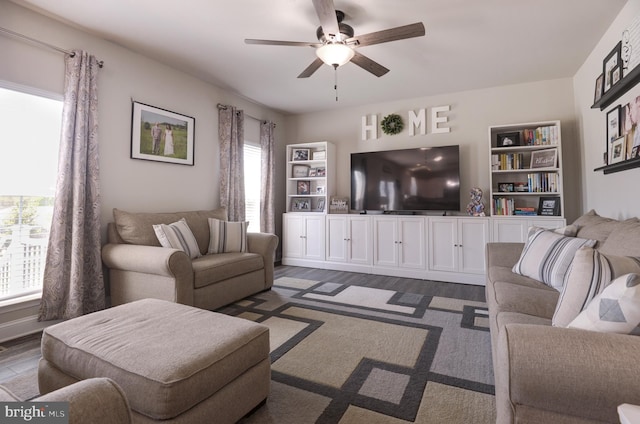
x: 567, y: 371
x: 96, y: 400
x: 136, y: 272
x: 503, y: 254
x: 264, y: 244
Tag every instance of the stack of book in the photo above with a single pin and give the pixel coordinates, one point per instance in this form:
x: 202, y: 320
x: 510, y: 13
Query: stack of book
x: 525, y: 211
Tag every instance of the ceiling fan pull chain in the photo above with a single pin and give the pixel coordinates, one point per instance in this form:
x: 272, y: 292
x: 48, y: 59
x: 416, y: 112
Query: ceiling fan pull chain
x: 335, y: 80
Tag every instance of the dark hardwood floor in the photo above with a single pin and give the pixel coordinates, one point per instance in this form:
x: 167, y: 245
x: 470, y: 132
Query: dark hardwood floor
x: 20, y: 356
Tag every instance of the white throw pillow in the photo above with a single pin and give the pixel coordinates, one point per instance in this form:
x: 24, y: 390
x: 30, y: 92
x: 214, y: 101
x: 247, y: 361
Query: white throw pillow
x: 178, y: 235
x: 546, y: 256
x: 227, y: 236
x: 615, y: 310
x: 590, y: 272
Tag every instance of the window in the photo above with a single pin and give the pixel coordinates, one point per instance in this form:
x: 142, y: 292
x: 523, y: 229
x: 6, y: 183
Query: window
x: 252, y: 182
x: 30, y: 123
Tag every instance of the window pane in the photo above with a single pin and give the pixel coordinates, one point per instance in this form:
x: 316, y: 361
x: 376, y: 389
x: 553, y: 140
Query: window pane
x: 28, y: 167
x: 252, y: 165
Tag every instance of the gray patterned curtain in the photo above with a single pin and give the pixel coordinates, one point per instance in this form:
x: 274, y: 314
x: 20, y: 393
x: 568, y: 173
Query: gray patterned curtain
x: 231, y: 135
x: 267, y: 174
x: 73, y: 284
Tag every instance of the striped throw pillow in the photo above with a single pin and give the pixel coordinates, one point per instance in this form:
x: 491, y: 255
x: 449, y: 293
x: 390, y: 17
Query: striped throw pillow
x: 590, y: 273
x: 615, y: 310
x: 227, y: 236
x: 178, y: 235
x: 546, y: 256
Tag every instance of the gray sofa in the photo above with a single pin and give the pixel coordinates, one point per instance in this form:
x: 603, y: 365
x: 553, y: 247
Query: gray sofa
x: 140, y: 268
x: 96, y: 401
x: 552, y: 374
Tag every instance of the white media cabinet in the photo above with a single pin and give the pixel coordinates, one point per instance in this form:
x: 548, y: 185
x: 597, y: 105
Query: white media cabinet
x: 440, y: 248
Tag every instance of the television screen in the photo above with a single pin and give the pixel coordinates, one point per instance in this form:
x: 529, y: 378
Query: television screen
x: 419, y: 179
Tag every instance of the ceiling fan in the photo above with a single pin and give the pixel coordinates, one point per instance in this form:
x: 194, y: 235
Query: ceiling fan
x: 336, y: 41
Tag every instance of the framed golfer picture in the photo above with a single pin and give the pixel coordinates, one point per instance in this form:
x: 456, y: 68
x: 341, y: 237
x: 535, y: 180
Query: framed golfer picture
x: 161, y: 135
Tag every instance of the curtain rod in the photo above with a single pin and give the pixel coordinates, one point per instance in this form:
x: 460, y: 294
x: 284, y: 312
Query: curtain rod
x: 41, y: 43
x: 224, y: 107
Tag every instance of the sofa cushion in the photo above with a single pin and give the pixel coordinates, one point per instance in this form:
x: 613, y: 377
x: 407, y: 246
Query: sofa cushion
x: 591, y: 271
x: 539, y: 302
x: 137, y: 228
x: 506, y: 274
x: 210, y: 269
x: 227, y: 237
x: 178, y: 235
x: 615, y: 310
x: 595, y: 227
x: 623, y: 240
x: 505, y: 318
x: 547, y: 256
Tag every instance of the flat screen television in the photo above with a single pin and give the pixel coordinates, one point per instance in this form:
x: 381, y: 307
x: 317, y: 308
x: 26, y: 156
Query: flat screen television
x: 419, y: 179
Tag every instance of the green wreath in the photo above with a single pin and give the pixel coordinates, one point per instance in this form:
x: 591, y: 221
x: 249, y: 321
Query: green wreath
x: 392, y: 124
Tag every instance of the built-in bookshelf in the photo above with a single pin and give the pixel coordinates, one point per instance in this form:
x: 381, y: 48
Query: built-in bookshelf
x: 526, y: 169
x: 310, y: 176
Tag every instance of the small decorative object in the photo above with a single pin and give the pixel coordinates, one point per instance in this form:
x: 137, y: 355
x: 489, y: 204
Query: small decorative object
x: 319, y: 155
x: 300, y: 205
x: 598, y: 91
x: 299, y: 154
x: 612, y: 60
x: 506, y: 187
x: 508, y: 139
x: 544, y: 158
x: 303, y: 187
x: 320, y: 190
x: 549, y: 206
x: 613, y: 124
x: 521, y: 187
x: 319, y: 206
x: 339, y: 205
x: 475, y: 207
x: 161, y: 135
x: 392, y: 124
x: 300, y: 171
x: 617, y: 153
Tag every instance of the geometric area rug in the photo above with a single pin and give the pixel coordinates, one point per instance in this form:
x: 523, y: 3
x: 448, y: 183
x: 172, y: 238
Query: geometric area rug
x: 347, y: 354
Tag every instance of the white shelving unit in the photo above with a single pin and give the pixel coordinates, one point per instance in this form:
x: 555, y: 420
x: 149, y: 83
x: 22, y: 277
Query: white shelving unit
x: 310, y: 177
x: 512, y: 168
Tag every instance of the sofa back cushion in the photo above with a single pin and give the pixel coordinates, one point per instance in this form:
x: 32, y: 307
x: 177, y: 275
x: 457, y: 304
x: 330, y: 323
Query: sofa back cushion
x: 624, y: 240
x: 137, y: 227
x: 595, y: 227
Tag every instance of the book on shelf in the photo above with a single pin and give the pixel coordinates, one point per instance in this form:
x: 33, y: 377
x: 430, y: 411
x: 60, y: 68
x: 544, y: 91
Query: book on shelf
x: 509, y: 161
x: 542, y: 182
x: 503, y: 206
x: 541, y: 136
x: 525, y: 211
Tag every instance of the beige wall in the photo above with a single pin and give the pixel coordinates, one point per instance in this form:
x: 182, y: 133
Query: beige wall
x: 472, y: 112
x: 610, y: 195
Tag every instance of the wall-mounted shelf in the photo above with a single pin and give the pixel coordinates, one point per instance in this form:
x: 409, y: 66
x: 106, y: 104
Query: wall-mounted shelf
x: 620, y: 166
x: 624, y: 85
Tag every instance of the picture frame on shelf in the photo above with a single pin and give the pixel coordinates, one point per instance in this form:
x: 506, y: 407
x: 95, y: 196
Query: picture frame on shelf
x: 320, y: 189
x: 319, y: 155
x: 151, y: 130
x: 598, y: 90
x: 313, y: 172
x: 300, y: 171
x: 634, y: 152
x: 613, y: 124
x: 544, y: 158
x: 299, y: 204
x: 506, y: 187
x: 339, y: 205
x: 509, y: 139
x: 319, y: 205
x: 612, y: 60
x: 303, y: 187
x: 617, y: 151
x: 299, y: 154
x: 549, y: 206
x: 321, y: 171
x: 615, y: 75
x: 521, y: 187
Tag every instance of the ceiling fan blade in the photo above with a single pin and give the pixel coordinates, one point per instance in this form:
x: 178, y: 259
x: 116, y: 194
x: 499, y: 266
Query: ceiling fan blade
x: 393, y: 34
x: 369, y: 65
x: 327, y: 15
x: 281, y: 43
x: 311, y: 68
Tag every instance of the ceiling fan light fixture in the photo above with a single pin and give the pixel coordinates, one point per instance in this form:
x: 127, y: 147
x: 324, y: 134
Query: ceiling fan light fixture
x: 335, y: 54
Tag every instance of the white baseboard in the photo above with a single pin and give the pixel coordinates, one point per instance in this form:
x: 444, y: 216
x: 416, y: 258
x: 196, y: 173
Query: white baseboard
x: 23, y: 327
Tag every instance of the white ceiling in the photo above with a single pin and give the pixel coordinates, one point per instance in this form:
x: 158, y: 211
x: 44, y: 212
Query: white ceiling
x: 469, y: 44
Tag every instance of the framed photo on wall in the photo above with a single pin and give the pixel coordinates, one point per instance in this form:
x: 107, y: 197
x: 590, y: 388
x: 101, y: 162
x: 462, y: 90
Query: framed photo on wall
x: 609, y: 64
x: 617, y: 151
x: 613, y: 124
x: 161, y: 135
x: 598, y: 91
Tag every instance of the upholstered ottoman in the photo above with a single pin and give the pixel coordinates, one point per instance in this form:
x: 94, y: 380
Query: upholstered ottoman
x: 174, y: 362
